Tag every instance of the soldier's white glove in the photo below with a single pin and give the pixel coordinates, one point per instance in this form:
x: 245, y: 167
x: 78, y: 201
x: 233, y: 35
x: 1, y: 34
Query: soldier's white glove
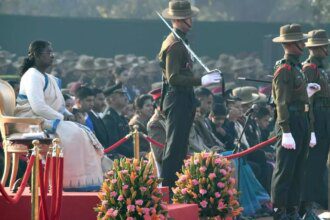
x: 288, y: 141
x: 312, y: 88
x: 211, y: 77
x: 312, y: 142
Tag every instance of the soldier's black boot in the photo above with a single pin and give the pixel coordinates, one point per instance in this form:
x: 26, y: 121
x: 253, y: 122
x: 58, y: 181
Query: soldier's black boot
x: 280, y: 214
x: 292, y: 213
x: 310, y: 212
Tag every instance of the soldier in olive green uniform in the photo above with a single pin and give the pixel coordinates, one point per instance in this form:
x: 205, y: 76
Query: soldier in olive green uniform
x: 178, y: 99
x: 292, y: 124
x: 313, y: 68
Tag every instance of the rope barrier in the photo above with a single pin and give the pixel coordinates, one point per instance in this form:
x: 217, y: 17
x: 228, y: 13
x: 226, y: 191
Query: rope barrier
x: 18, y: 195
x: 59, y: 189
x: 251, y: 149
x: 156, y: 143
x: 117, y: 144
x: 43, y: 213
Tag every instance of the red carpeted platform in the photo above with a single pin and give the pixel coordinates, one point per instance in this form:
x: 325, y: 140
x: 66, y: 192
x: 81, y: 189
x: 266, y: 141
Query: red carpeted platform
x: 80, y: 206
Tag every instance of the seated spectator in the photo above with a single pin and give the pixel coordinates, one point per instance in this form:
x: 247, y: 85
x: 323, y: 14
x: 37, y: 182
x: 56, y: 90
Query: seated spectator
x: 217, y: 120
x: 84, y: 103
x: 143, y: 106
x: 156, y: 129
x: 40, y: 96
x: 94, y: 115
x: 115, y: 123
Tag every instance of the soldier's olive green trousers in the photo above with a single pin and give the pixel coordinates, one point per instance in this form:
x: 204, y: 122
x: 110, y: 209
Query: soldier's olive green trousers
x: 315, y: 183
x: 179, y: 113
x: 287, y: 177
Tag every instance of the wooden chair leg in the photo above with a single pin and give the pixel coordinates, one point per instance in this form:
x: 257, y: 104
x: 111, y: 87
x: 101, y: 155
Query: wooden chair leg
x: 7, y: 156
x: 14, y: 169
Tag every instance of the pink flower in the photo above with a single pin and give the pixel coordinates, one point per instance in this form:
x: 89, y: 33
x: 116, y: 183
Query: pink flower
x: 143, y: 189
x: 104, y: 202
x: 186, y: 163
x: 218, y: 161
x: 113, y: 194
x: 139, y: 202
x: 125, y: 187
x: 114, y: 181
x: 131, y: 208
x: 161, y: 217
x: 183, y: 178
x: 212, y: 176
x: 230, y: 192
x: 195, y: 182
x: 232, y: 180
x: 202, y: 191
x: 137, y: 168
x: 203, y: 203
x: 120, y: 198
x: 145, y: 210
x: 112, y: 212
x: 221, y: 185
x: 196, y: 161
x: 147, y: 217
x: 223, y: 172
x: 217, y: 195
x: 110, y: 173
x: 153, y: 211
x: 129, y: 218
x: 184, y: 191
x: 221, y: 205
x: 202, y: 169
x: 124, y: 171
x: 229, y: 169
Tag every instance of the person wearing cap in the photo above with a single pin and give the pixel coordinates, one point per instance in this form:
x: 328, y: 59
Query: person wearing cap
x: 156, y: 129
x: 178, y: 100
x: 313, y: 69
x: 290, y: 93
x: 115, y: 123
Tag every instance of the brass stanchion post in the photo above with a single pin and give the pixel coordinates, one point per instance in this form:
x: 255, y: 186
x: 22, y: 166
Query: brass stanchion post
x: 136, y: 142
x: 35, y: 183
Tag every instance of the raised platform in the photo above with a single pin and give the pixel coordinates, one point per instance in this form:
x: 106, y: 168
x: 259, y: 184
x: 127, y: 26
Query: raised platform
x: 80, y: 206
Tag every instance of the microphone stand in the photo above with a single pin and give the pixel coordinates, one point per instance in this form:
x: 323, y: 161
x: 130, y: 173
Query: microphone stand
x: 237, y: 149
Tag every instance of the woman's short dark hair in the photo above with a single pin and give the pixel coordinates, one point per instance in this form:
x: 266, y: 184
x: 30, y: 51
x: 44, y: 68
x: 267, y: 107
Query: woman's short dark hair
x: 35, y: 48
x: 218, y: 110
x: 262, y: 112
x: 139, y: 101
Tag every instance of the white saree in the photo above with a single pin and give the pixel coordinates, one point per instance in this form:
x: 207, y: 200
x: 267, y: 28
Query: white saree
x: 40, y: 95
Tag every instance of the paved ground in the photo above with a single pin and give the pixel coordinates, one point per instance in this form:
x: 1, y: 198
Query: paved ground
x: 322, y: 213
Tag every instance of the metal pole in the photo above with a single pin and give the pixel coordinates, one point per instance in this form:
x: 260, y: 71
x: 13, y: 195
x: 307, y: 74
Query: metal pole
x: 136, y: 142
x: 35, y: 183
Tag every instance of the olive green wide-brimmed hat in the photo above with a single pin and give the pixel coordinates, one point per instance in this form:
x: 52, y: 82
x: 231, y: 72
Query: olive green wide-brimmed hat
x: 290, y: 33
x: 179, y: 10
x: 317, y: 38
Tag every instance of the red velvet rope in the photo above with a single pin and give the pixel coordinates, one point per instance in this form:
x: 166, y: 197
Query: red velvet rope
x: 251, y: 149
x: 43, y: 213
x: 54, y: 163
x: 117, y: 144
x: 18, y: 195
x: 160, y: 145
x: 59, y: 189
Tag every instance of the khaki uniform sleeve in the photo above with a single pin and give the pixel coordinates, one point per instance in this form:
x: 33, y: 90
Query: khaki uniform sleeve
x: 311, y: 78
x: 174, y: 62
x: 282, y: 88
x: 157, y: 132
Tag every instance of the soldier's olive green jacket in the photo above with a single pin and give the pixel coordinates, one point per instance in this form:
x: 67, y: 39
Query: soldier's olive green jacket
x: 288, y: 89
x: 314, y: 71
x: 176, y: 62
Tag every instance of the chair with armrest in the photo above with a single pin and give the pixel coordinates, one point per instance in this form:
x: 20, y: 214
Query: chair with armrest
x: 14, y: 144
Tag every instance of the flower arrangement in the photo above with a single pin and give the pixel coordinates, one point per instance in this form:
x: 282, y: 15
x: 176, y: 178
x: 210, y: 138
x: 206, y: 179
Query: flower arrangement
x: 130, y: 191
x: 206, y: 180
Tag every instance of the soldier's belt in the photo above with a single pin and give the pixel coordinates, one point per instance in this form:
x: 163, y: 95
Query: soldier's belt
x: 299, y: 108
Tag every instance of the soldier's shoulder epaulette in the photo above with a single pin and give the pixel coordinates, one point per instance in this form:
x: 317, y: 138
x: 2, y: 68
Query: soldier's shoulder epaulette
x: 280, y: 66
x: 309, y: 65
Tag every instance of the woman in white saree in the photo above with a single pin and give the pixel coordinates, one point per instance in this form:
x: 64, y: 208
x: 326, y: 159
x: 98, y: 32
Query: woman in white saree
x: 40, y: 96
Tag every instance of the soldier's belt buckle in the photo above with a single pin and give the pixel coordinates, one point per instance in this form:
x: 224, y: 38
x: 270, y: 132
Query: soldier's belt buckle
x: 306, y: 108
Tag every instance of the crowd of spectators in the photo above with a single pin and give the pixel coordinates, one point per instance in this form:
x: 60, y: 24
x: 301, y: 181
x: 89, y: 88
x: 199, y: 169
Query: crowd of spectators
x: 112, y: 95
